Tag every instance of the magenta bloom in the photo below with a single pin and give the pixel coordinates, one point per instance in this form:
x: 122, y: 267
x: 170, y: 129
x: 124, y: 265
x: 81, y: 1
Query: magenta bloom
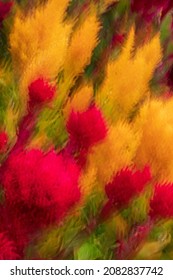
x: 39, y: 191
x: 86, y: 129
x: 5, y: 8
x: 42, y: 180
x: 161, y: 204
x: 149, y: 9
x: 40, y: 91
x: 126, y: 185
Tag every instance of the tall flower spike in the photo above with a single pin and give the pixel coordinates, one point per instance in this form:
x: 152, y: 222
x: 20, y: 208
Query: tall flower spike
x: 126, y: 185
x: 161, y: 204
x: 118, y: 100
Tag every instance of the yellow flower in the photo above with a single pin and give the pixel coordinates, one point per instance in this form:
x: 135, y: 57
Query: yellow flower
x: 80, y: 101
x: 115, y: 152
x: 127, y: 79
x: 155, y: 123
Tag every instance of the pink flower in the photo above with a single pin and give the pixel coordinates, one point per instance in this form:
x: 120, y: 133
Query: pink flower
x: 161, y: 204
x: 126, y: 185
x: 5, y: 8
x: 41, y: 91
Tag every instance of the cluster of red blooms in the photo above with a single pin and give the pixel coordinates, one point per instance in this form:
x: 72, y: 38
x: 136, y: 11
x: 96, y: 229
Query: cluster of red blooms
x: 40, y: 188
x: 5, y: 8
x: 150, y: 9
x: 126, y: 185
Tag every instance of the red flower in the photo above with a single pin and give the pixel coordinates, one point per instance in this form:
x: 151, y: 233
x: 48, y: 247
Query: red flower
x: 3, y: 141
x: 149, y: 9
x: 7, y: 248
x: 161, y: 204
x: 39, y: 190
x: 40, y: 91
x: 86, y: 129
x: 126, y: 185
x: 42, y: 180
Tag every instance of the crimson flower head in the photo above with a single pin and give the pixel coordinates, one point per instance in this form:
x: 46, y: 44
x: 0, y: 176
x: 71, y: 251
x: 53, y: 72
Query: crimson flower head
x: 126, y: 185
x: 149, y: 9
x: 7, y: 248
x: 43, y: 181
x: 161, y: 204
x: 86, y: 128
x: 40, y: 188
x: 41, y: 91
x: 3, y: 141
x: 5, y: 8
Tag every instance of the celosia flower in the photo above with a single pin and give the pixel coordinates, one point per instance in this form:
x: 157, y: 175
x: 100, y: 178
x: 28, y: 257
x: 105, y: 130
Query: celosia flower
x: 86, y: 128
x: 126, y: 185
x: 41, y: 91
x: 5, y: 8
x: 42, y: 180
x: 7, y: 248
x: 39, y: 190
x: 3, y: 140
x: 161, y: 204
x: 149, y: 9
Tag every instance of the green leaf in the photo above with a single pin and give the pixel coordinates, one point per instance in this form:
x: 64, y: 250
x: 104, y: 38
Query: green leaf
x: 88, y: 251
